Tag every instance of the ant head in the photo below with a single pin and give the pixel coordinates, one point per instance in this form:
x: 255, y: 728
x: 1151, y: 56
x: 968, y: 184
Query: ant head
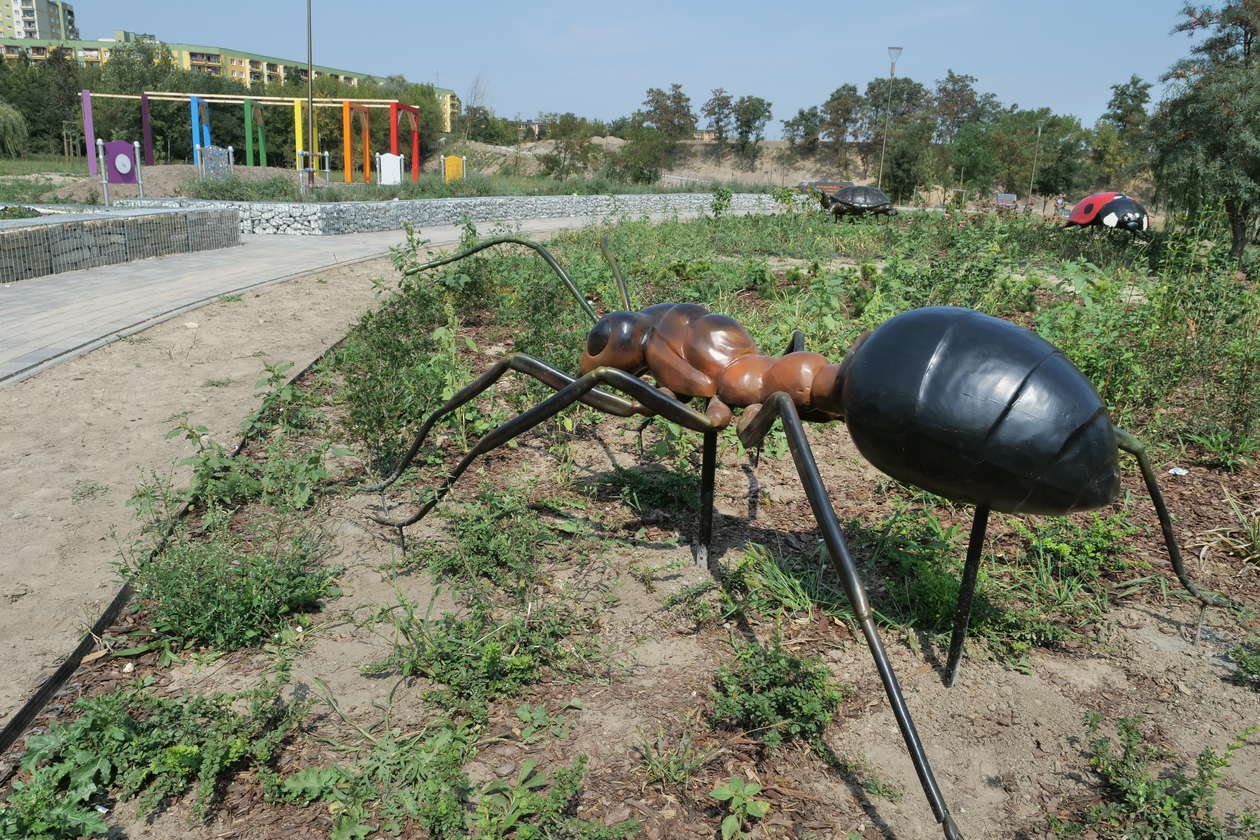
x: 616, y: 341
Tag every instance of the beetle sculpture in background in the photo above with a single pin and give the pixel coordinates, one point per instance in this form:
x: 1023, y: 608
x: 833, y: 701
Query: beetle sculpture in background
x: 1110, y: 210
x: 858, y: 201
x: 968, y: 406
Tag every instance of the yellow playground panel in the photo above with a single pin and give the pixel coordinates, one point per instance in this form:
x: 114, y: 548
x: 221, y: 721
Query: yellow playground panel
x: 453, y: 168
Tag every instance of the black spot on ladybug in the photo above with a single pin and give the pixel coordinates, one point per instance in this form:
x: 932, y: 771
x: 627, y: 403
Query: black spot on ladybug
x: 1089, y: 208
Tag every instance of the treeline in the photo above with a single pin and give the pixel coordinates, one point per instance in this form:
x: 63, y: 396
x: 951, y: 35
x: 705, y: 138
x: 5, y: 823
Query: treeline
x: 45, y: 97
x: 654, y: 134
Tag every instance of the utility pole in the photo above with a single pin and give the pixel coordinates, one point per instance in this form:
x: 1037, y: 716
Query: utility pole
x: 310, y: 99
x: 1036, y: 159
x: 893, y: 54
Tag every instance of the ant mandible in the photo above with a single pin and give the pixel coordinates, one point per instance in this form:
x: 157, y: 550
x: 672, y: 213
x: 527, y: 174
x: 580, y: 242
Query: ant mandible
x: 965, y: 405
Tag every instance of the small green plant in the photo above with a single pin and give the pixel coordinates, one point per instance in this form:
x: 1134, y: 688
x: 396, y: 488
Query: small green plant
x: 720, y: 205
x: 673, y: 763
x: 1246, y: 658
x: 229, y: 298
x: 1225, y: 450
x: 645, y: 489
x: 738, y: 794
x: 1144, y: 801
x: 398, y: 777
x: 219, y: 592
x: 537, y: 722
x: 133, y: 744
x: 475, y: 659
x: 282, y: 403
x: 498, y: 538
x: 773, y: 695
x: 536, y: 806
x: 85, y: 490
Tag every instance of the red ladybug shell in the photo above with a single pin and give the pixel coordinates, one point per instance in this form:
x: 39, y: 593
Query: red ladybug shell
x: 1087, y: 208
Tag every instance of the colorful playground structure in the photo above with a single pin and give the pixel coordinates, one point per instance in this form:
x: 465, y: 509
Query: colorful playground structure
x: 307, y: 160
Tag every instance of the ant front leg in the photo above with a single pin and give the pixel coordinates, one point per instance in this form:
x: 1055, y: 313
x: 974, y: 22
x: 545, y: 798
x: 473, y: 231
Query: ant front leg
x: 646, y: 399
x: 520, y: 363
x: 780, y: 407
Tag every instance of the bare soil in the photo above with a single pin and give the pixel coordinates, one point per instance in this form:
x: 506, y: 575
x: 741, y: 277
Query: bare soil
x: 1007, y: 746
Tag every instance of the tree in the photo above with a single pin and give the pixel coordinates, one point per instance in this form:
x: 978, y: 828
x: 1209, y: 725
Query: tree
x: 670, y: 113
x: 840, y: 119
x: 1126, y: 110
x: 955, y: 102
x: 13, y: 131
x: 573, y: 151
x: 899, y: 98
x: 643, y: 157
x: 1204, y: 133
x: 720, y: 111
x: 804, y: 129
x: 751, y: 115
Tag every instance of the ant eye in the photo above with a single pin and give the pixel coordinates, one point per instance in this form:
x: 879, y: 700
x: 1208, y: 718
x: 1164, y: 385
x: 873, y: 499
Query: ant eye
x: 598, y: 339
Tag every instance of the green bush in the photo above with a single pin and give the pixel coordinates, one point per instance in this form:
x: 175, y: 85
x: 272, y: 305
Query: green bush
x: 774, y: 696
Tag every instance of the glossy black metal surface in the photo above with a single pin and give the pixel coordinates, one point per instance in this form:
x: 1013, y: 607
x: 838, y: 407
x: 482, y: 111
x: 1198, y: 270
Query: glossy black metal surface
x: 979, y: 410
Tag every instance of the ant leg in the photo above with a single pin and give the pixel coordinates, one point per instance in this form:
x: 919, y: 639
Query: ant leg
x: 797, y: 344
x: 779, y: 406
x: 520, y: 363
x: 966, y: 592
x: 650, y: 399
x: 1134, y: 447
x: 708, y: 469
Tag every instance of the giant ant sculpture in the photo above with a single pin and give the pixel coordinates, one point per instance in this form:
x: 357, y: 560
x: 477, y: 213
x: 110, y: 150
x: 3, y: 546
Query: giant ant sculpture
x: 968, y: 406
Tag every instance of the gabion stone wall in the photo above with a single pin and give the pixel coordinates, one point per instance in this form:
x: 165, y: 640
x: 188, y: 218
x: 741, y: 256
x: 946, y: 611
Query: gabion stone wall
x: 52, y: 244
x: 316, y: 219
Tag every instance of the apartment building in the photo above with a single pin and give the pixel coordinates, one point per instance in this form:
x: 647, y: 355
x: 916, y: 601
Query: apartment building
x: 37, y: 19
x: 244, y: 67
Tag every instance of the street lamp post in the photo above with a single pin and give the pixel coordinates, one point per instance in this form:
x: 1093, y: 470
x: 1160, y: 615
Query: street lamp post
x: 893, y: 54
x: 1036, y: 160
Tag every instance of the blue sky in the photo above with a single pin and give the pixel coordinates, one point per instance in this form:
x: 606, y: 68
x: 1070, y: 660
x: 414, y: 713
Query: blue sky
x: 597, y: 60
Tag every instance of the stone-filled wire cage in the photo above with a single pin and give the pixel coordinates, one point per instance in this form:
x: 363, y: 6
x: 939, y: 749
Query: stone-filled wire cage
x: 53, y: 244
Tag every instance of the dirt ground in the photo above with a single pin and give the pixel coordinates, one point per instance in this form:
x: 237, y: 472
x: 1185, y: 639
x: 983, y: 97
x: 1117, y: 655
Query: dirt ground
x: 1007, y: 746
x: 76, y: 439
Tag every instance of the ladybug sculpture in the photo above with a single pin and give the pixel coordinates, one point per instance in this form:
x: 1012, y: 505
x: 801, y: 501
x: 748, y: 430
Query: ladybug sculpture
x: 858, y: 201
x: 1111, y: 210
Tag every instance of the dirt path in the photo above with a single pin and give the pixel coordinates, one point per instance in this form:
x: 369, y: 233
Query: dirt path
x: 76, y: 440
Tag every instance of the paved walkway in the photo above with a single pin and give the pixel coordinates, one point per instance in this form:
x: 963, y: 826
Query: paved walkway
x: 48, y: 320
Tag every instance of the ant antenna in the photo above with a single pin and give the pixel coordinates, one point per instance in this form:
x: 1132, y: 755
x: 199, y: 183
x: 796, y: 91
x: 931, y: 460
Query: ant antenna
x: 616, y: 270
x: 543, y: 252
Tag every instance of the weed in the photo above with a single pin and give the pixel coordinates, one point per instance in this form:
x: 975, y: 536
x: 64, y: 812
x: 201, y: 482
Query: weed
x: 1143, y: 801
x: 537, y: 806
x: 218, y: 592
x: 1246, y: 656
x: 536, y: 722
x: 1242, y: 537
x: 133, y: 744
x: 645, y: 489
x: 738, y: 796
x: 674, y: 764
x: 229, y: 298
x: 217, y: 383
x: 773, y: 695
x: 399, y: 777
x: 1225, y: 450
x: 85, y: 490
x: 475, y: 659
x: 497, y: 538
x: 281, y: 404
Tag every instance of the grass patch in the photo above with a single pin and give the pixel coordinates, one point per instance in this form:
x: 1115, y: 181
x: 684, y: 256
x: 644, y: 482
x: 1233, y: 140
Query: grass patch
x: 218, y: 591
x: 479, y: 658
x: 498, y: 538
x: 133, y: 744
